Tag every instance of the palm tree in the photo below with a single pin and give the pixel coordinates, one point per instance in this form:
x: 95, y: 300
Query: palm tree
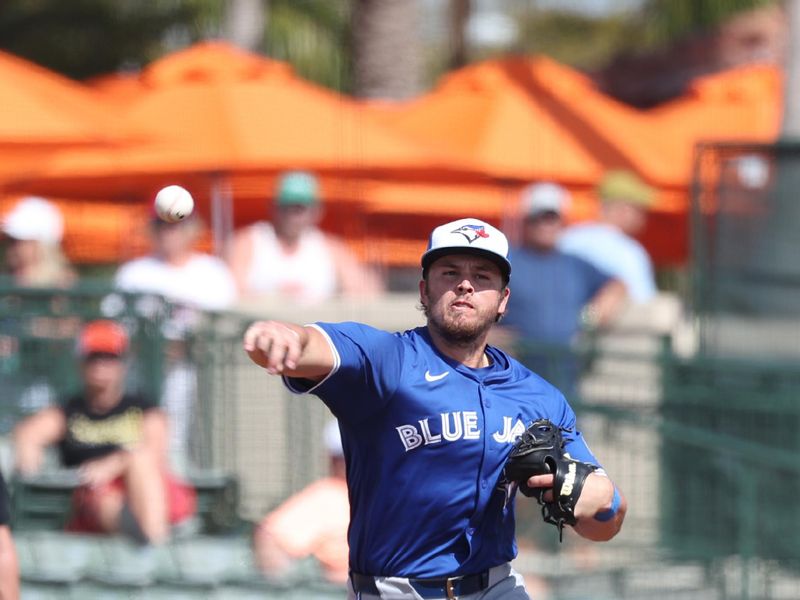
x: 314, y: 36
x: 386, y: 55
x: 244, y: 22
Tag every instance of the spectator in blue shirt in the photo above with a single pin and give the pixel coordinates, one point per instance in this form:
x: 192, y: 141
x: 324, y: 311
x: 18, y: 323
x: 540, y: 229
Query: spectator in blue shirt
x: 609, y: 242
x: 556, y: 295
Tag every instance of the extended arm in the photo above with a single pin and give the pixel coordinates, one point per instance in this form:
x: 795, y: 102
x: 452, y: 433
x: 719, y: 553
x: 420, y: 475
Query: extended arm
x: 289, y: 349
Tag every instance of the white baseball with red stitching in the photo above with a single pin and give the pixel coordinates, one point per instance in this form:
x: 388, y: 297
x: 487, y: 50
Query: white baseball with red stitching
x: 173, y: 203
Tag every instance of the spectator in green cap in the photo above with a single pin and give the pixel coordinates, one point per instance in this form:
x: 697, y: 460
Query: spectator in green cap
x: 291, y: 257
x: 609, y: 243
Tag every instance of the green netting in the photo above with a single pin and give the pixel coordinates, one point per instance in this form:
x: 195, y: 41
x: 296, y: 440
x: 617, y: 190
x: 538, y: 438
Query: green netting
x: 746, y: 276
x: 705, y: 448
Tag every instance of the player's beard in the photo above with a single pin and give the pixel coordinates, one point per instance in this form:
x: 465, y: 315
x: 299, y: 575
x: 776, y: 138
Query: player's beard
x: 458, y: 329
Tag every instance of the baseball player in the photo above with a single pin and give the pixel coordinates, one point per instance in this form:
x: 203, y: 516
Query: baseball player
x: 428, y: 418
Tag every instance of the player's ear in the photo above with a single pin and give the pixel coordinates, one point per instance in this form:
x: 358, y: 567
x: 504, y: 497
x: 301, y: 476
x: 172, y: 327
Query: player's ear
x: 423, y: 292
x: 501, y: 310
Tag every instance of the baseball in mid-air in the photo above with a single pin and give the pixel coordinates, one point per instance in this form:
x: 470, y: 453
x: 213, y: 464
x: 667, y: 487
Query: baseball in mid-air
x: 173, y: 203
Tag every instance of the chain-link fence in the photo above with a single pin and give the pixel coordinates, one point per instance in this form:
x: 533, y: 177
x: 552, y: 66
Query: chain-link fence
x: 705, y: 450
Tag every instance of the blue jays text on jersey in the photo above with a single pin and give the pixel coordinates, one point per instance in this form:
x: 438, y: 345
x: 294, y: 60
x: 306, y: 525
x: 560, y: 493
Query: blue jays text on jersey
x: 425, y: 440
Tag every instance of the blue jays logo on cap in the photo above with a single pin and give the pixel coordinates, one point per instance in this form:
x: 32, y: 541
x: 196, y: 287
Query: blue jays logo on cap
x: 468, y: 236
x: 472, y: 232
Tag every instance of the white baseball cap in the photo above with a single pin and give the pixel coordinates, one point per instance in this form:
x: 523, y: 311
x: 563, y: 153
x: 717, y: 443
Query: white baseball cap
x: 544, y: 197
x: 34, y: 218
x: 468, y: 236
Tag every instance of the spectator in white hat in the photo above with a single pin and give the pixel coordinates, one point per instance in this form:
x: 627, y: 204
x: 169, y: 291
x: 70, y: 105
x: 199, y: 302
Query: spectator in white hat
x: 556, y: 295
x: 32, y: 230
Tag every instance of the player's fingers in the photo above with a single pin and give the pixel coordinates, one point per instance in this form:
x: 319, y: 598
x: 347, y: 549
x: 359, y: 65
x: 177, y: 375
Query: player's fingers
x: 276, y: 356
x: 547, y: 496
x: 541, y: 480
x: 252, y: 335
x: 259, y: 340
x: 293, y: 351
x: 256, y: 351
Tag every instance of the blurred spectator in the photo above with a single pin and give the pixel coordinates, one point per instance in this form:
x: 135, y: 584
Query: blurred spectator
x: 313, y: 522
x: 178, y: 272
x: 9, y: 565
x: 556, y: 295
x: 32, y: 231
x: 291, y: 257
x: 193, y: 282
x: 33, y: 257
x: 117, y: 441
x: 609, y: 243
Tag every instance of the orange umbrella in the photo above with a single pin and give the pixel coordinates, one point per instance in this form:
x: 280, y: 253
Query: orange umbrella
x: 742, y: 104
x: 44, y: 112
x: 41, y: 108
x: 486, y: 115
x: 212, y: 115
x: 216, y: 109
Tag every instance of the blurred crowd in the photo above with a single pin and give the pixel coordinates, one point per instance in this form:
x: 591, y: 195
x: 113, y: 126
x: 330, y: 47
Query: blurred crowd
x: 129, y: 451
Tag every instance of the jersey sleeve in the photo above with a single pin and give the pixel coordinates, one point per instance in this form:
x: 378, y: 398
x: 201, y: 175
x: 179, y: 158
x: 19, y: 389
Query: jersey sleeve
x: 366, y: 372
x: 575, y: 444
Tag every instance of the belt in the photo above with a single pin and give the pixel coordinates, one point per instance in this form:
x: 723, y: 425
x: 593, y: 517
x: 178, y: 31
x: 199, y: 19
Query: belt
x: 444, y: 587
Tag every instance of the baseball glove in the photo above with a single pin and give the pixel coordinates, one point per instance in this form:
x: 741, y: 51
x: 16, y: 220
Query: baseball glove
x: 538, y: 451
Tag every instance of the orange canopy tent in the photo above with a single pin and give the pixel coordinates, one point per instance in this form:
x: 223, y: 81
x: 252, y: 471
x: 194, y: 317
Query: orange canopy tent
x: 485, y: 116
x: 741, y: 104
x: 45, y: 109
x: 44, y: 112
x: 217, y: 109
x: 503, y: 118
x: 215, y: 118
x: 744, y: 104
x: 533, y: 118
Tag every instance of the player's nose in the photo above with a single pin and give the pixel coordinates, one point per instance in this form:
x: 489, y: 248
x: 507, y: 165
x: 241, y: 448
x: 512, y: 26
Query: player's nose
x: 465, y: 286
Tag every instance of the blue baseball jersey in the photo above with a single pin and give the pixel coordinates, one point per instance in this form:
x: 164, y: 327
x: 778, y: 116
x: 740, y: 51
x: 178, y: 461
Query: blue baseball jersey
x: 425, y: 440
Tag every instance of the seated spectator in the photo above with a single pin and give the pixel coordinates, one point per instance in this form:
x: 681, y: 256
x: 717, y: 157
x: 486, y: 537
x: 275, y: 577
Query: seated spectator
x: 117, y: 441
x: 33, y: 257
x: 556, y: 296
x: 291, y: 257
x: 609, y: 243
x: 193, y: 282
x: 313, y: 522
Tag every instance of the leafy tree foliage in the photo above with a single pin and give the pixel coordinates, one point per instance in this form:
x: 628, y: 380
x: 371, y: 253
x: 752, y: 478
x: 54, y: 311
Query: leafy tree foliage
x: 314, y: 36
x: 667, y: 20
x: 82, y: 38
